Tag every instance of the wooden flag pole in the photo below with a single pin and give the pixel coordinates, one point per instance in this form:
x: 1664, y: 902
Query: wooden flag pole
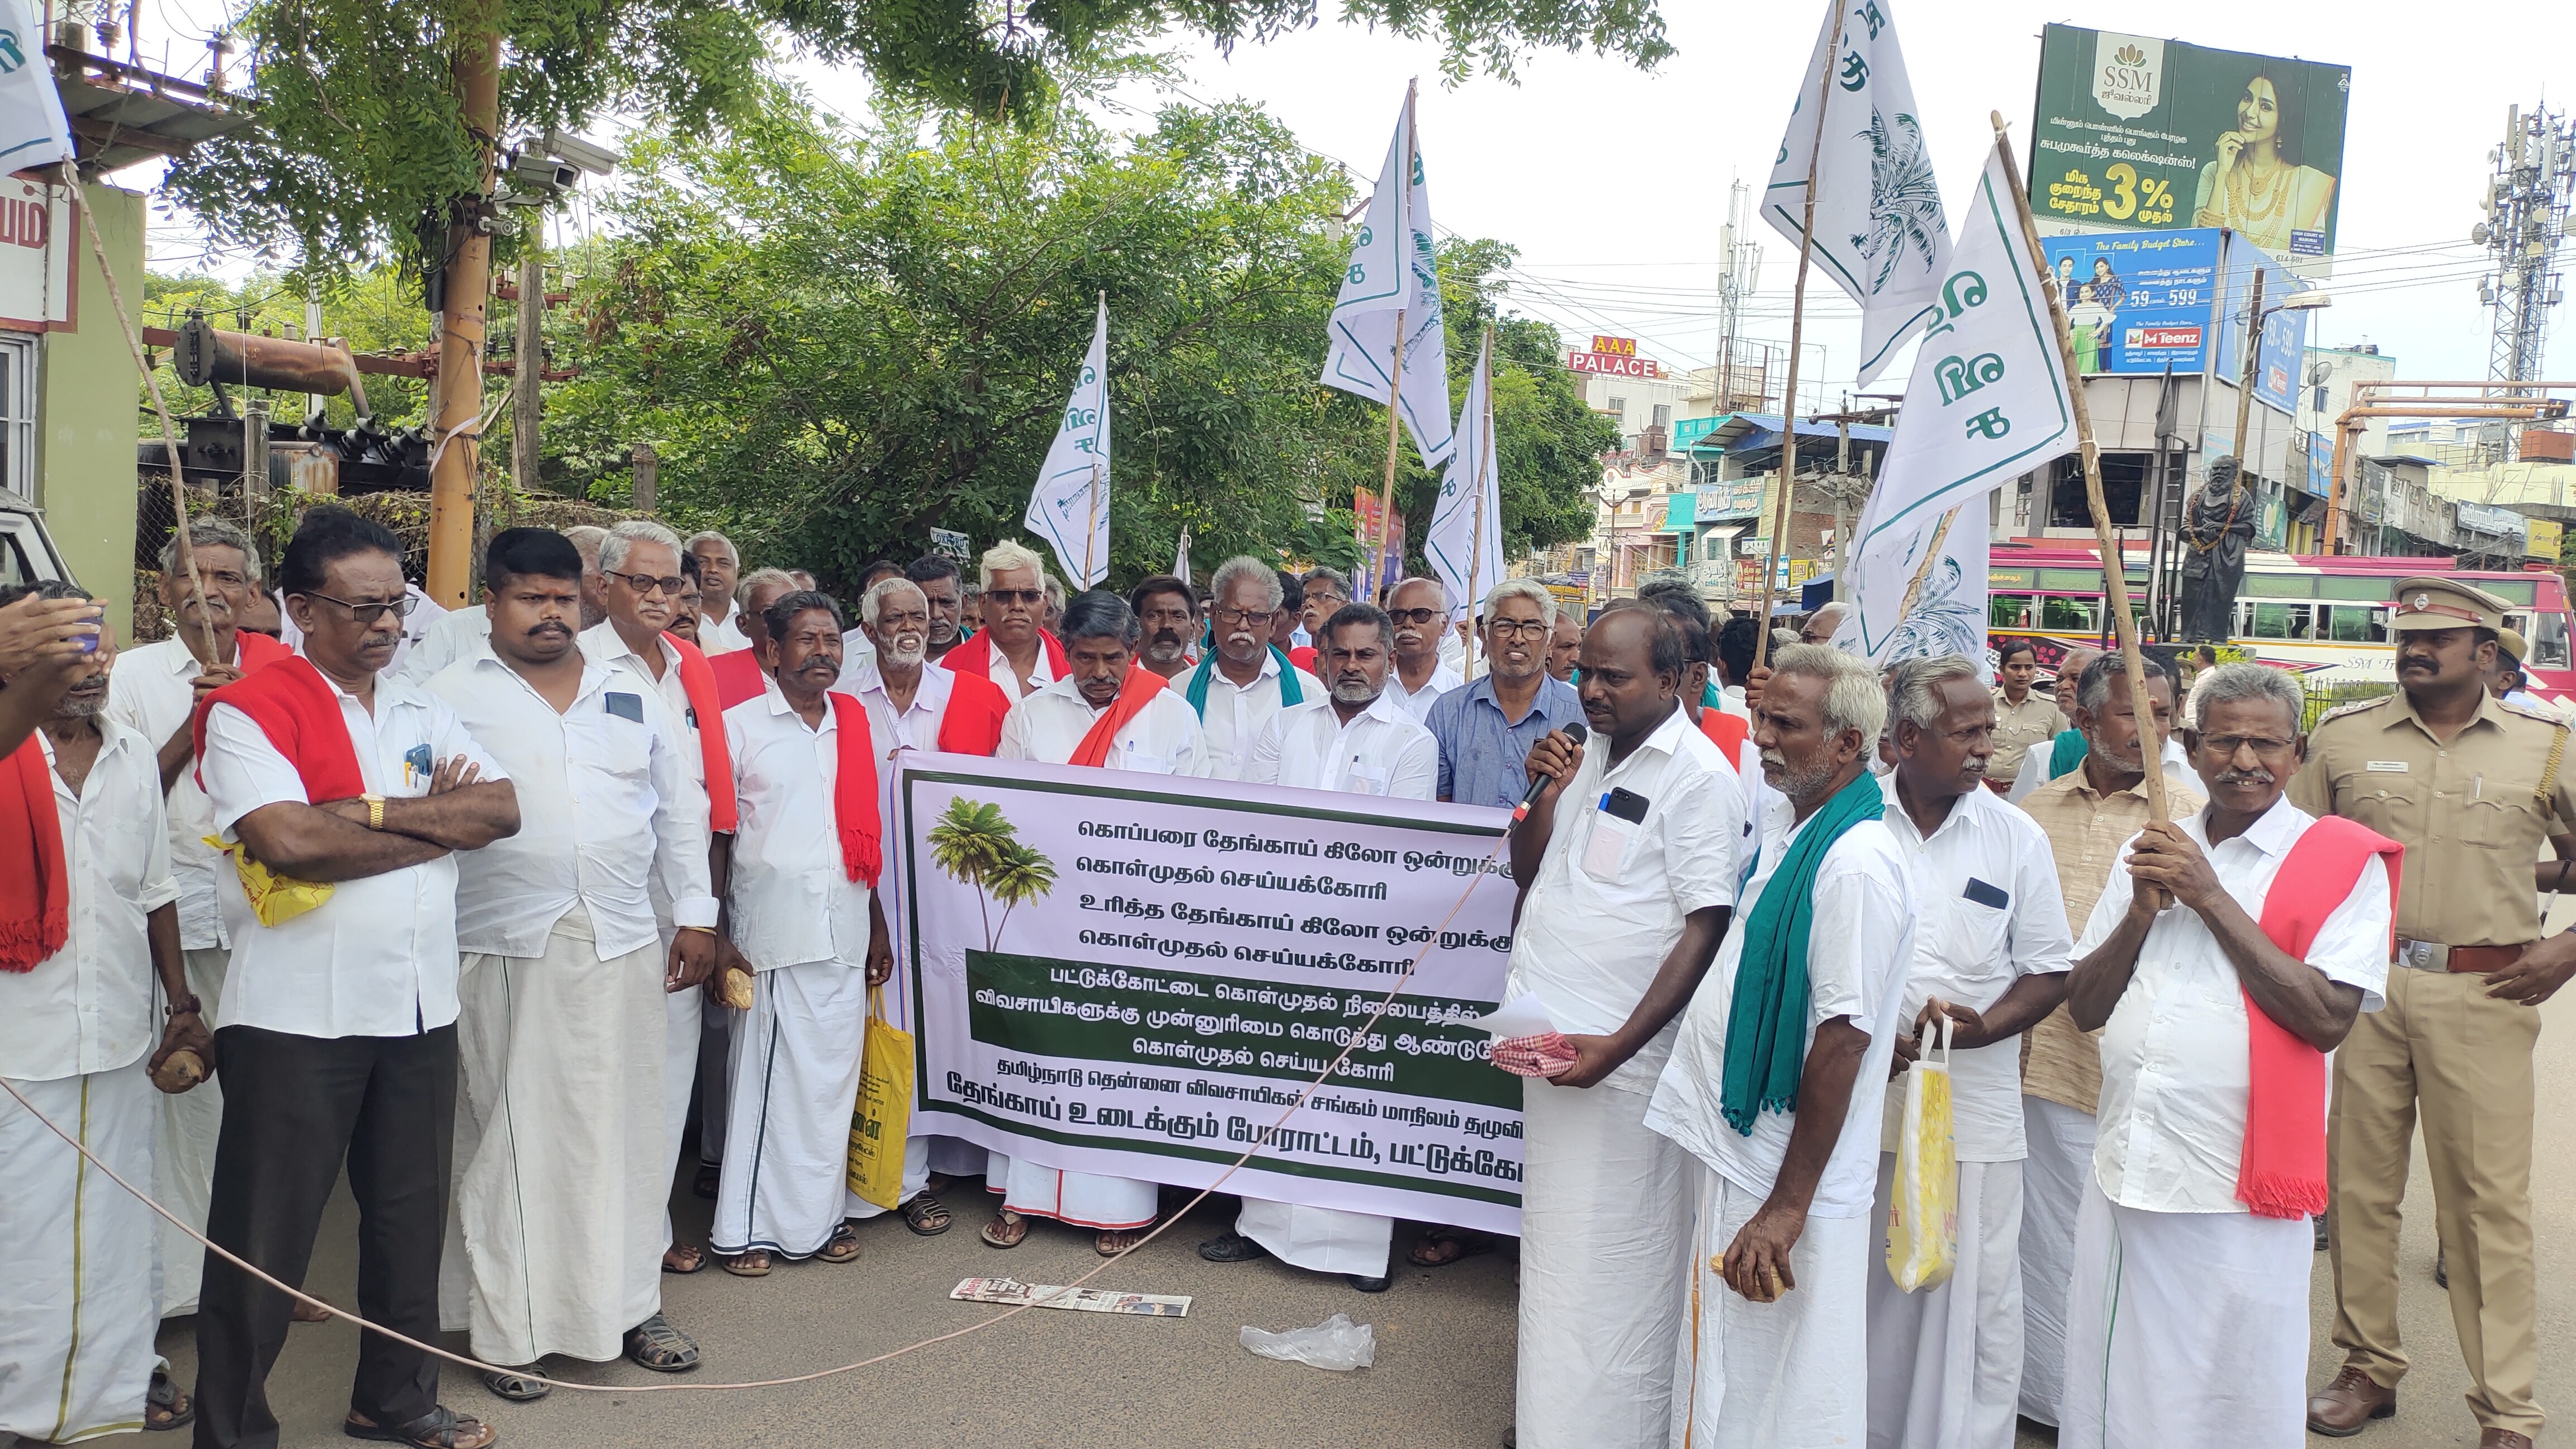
x: 1091, y: 528
x: 2115, y: 569
x: 1484, y: 460
x: 1394, y: 438
x: 1797, y: 326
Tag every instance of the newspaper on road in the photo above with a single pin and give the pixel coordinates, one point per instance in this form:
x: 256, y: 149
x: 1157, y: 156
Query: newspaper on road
x: 1083, y: 1300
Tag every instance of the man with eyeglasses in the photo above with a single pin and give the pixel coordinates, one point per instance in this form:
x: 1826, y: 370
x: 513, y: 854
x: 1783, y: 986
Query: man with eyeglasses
x: 1014, y: 651
x: 1240, y: 686
x: 2471, y: 785
x: 640, y: 560
x: 1357, y: 740
x: 1486, y: 729
x: 1990, y: 959
x: 154, y: 692
x: 338, y: 1032
x: 1420, y: 609
x: 2229, y: 951
x: 1168, y: 612
x: 1325, y: 593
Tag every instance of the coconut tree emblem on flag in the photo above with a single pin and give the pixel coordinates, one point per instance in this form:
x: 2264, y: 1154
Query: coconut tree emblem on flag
x: 975, y: 845
x: 1904, y: 200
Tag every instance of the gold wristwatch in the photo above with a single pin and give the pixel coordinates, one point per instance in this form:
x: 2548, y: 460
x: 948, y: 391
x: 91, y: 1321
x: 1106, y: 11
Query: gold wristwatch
x: 375, y: 811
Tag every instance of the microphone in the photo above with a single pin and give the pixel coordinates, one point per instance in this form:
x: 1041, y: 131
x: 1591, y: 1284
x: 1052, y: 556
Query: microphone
x: 1520, y: 812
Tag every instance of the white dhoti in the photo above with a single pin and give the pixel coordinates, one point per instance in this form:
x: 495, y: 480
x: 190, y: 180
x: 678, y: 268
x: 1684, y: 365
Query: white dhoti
x: 1605, y: 1217
x: 562, y: 1161
x: 2186, y: 1328
x: 680, y: 1026
x: 956, y: 1156
x: 916, y: 1176
x: 1320, y: 1240
x: 1945, y: 1361
x: 794, y: 1084
x: 2055, y: 1178
x: 1084, y: 1199
x: 1785, y: 1375
x: 183, y: 1149
x: 80, y: 1296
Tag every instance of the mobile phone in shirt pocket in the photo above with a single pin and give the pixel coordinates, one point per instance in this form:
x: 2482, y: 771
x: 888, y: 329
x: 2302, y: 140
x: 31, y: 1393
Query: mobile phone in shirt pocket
x: 1617, y: 820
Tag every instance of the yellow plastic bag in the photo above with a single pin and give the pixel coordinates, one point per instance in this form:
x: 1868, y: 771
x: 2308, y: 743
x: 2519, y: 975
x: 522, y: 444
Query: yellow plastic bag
x: 1923, y: 1219
x: 883, y: 1116
x: 275, y: 899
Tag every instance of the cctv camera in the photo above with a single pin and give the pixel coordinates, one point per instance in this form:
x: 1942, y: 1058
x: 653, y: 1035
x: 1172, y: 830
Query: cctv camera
x: 588, y: 155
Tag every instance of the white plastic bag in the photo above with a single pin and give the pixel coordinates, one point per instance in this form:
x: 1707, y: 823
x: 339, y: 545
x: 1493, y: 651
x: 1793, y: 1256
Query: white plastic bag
x: 1336, y: 1343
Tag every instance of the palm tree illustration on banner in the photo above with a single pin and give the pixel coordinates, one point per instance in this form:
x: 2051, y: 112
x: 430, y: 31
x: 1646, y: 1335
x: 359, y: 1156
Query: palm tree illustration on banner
x: 973, y: 844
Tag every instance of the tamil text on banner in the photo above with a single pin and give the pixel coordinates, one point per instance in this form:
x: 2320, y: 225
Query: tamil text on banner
x: 1880, y: 233
x: 1393, y: 273
x: 1135, y: 975
x: 2140, y: 134
x: 1987, y: 400
x: 1069, y: 507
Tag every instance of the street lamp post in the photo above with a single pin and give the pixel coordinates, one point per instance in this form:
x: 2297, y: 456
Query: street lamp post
x: 2256, y: 314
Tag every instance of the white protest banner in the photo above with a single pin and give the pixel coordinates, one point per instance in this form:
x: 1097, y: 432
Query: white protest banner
x: 1069, y: 507
x: 1987, y: 400
x: 1392, y: 273
x: 33, y: 131
x: 1925, y: 598
x: 1135, y: 974
x: 1465, y: 544
x: 1880, y: 233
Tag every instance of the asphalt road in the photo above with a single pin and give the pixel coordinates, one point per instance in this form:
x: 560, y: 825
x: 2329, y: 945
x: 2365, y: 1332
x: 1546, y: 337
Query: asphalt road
x: 1057, y: 1380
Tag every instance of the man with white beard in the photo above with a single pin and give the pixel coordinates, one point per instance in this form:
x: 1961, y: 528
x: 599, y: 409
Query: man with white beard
x: 1358, y: 741
x: 1245, y: 680
x: 913, y: 707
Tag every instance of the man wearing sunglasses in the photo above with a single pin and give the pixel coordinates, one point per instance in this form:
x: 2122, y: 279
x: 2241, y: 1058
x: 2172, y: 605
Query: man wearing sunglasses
x: 640, y: 561
x: 1420, y: 609
x: 1013, y: 650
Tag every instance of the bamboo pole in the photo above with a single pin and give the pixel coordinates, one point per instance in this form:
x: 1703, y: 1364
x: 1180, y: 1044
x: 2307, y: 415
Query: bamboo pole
x: 2115, y: 573
x: 1484, y: 460
x: 1386, y: 490
x: 1797, y: 325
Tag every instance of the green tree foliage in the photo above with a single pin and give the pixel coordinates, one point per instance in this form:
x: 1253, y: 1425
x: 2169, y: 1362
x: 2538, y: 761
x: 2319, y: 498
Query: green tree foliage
x: 362, y: 144
x: 837, y: 338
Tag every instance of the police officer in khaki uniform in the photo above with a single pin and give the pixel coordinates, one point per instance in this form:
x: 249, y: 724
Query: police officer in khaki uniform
x: 2471, y: 786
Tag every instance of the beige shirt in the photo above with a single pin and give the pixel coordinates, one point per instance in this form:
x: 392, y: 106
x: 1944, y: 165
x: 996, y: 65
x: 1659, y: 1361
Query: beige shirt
x: 2085, y: 830
x: 2020, y: 727
x: 2472, y: 813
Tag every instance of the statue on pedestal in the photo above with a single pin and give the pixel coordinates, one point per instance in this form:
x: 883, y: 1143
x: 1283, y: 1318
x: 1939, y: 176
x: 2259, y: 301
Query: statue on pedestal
x: 2216, y: 531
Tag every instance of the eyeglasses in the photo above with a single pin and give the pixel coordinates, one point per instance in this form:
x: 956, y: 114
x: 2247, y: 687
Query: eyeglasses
x: 370, y: 613
x: 1415, y: 616
x: 647, y: 584
x: 1244, y: 618
x: 2225, y: 746
x: 1518, y: 629
x: 1015, y: 596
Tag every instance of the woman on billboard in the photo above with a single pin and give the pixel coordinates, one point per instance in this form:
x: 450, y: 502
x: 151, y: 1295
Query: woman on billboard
x: 2257, y: 186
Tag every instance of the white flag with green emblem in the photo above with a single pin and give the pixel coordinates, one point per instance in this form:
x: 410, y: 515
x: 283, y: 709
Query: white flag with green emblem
x: 33, y: 132
x: 1070, y: 506
x: 1465, y: 544
x: 1987, y: 403
x: 1393, y: 272
x: 1880, y: 233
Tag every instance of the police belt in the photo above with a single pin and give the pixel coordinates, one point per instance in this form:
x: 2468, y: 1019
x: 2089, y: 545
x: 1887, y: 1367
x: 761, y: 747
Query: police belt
x: 2434, y: 956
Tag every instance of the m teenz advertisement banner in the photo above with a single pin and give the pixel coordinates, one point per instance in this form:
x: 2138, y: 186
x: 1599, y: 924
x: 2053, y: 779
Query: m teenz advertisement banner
x: 1134, y: 974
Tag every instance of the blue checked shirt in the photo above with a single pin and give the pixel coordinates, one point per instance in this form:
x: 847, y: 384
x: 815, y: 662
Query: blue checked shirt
x: 1482, y: 755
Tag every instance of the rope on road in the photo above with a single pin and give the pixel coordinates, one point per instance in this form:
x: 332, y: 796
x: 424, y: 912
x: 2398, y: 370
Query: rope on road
x: 1474, y: 879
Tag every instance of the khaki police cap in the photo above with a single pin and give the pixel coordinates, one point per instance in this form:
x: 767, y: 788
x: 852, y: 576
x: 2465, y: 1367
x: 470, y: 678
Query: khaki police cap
x: 2513, y: 646
x: 2428, y: 603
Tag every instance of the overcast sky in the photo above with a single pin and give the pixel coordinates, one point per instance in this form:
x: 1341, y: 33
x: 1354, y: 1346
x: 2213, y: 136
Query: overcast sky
x: 1613, y: 182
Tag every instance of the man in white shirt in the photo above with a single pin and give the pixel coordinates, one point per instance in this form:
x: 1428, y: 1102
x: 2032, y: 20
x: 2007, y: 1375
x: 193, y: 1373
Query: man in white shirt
x: 1420, y: 609
x: 1246, y: 681
x: 640, y: 561
x: 1358, y: 741
x: 338, y: 1038
x: 1776, y: 1080
x: 719, y: 621
x: 154, y: 692
x: 88, y: 843
x: 803, y: 911
x: 1142, y: 726
x: 1990, y: 957
x: 1628, y: 868
x: 1015, y: 650
x: 562, y: 1178
x: 912, y: 706
x: 2209, y: 1340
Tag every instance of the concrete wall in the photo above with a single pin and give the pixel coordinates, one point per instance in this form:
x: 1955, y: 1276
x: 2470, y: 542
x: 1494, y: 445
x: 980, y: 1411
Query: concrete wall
x: 85, y: 435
